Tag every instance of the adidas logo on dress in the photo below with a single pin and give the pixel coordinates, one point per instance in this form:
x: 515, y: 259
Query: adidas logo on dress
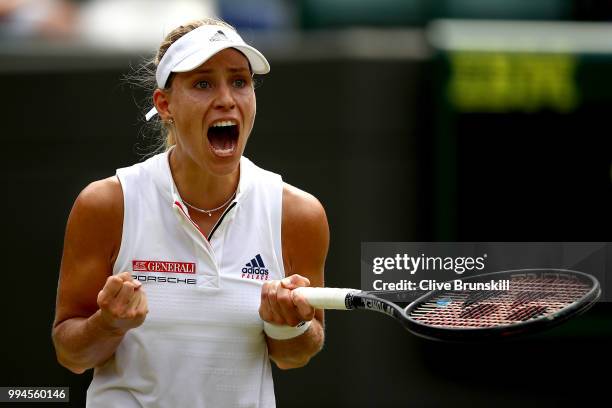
x: 255, y: 269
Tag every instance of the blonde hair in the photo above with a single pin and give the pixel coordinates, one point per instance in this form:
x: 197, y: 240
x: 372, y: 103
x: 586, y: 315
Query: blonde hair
x: 144, y: 77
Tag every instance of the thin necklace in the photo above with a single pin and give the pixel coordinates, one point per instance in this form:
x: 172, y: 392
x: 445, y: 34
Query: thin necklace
x: 209, y: 212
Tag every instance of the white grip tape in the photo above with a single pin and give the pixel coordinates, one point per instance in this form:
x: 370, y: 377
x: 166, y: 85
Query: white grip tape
x: 283, y: 332
x: 325, y: 298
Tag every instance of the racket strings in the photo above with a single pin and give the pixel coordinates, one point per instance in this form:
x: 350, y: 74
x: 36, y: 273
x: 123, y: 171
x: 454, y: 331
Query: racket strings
x: 526, y: 297
x: 479, y: 311
x: 529, y: 297
x: 527, y: 312
x: 477, y: 297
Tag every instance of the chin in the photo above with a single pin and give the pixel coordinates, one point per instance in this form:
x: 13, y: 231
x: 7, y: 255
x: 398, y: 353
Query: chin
x: 224, y: 166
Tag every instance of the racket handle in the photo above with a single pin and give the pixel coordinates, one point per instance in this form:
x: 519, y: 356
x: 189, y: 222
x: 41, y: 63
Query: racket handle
x: 325, y: 298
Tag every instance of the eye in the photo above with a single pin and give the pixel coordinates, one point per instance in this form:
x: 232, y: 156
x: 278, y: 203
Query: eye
x: 202, y: 85
x: 239, y: 83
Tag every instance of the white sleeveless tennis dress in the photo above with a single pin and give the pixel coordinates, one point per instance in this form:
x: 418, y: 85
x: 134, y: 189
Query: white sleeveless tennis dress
x: 202, y: 343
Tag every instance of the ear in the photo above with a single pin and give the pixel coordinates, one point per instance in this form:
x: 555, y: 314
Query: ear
x: 161, y: 99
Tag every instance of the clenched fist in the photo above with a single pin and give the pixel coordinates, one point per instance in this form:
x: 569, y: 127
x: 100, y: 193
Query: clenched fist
x: 280, y: 306
x: 123, y: 302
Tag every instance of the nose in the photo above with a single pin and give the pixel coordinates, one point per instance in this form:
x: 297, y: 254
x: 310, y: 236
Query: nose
x: 225, y: 98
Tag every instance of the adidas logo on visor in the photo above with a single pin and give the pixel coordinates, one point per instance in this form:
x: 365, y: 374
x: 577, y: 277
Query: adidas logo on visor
x: 219, y: 36
x: 255, y: 269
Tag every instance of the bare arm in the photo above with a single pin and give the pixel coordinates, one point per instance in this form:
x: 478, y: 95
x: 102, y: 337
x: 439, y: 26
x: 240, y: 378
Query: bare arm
x: 94, y: 309
x: 305, y: 237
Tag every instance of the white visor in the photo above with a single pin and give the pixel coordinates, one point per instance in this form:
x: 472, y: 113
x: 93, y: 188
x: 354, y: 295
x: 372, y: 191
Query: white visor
x: 198, y: 46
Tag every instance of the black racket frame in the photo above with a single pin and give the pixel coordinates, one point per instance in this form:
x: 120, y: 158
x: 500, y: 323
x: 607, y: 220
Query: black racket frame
x: 371, y: 301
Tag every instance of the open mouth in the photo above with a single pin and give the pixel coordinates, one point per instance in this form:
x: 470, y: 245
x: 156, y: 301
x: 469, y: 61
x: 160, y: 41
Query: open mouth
x: 223, y: 137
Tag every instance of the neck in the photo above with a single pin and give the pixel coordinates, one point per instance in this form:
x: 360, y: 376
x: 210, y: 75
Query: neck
x: 200, y: 187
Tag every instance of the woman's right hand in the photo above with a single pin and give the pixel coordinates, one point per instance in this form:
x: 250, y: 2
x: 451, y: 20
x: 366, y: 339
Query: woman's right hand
x: 122, y: 302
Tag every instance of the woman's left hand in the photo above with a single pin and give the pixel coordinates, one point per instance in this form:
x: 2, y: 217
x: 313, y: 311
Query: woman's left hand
x: 280, y: 306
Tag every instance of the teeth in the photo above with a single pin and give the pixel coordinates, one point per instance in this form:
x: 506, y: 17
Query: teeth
x: 223, y: 123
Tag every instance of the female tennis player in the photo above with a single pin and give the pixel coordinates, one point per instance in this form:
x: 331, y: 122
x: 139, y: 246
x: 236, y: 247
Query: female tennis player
x: 177, y: 273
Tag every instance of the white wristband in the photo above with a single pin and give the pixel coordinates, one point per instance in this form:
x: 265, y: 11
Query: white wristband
x: 283, y: 332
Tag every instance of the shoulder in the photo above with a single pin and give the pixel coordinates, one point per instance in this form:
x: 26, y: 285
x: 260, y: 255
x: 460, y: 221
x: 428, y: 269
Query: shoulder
x: 305, y: 234
x: 101, y: 197
x: 302, y: 207
x: 96, y: 218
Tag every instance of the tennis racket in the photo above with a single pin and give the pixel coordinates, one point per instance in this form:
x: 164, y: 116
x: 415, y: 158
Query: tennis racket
x: 535, y: 299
